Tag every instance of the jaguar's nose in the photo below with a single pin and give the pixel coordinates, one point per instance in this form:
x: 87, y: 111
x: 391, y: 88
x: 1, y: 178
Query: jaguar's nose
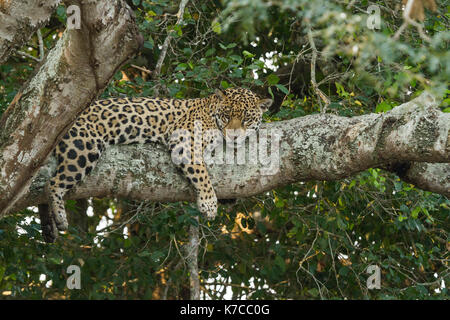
x: 234, y: 124
x: 234, y: 129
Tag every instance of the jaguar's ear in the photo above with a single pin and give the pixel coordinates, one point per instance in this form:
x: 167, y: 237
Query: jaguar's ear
x: 264, y: 104
x: 220, y: 94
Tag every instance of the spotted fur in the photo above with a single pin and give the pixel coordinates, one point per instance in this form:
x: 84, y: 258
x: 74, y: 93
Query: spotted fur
x: 172, y: 122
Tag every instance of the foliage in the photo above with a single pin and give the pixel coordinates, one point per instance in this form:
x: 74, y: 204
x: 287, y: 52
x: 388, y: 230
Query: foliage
x: 303, y: 241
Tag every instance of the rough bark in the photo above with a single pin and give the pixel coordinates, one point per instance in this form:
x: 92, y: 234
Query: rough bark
x: 19, y: 20
x: 73, y: 73
x: 192, y: 261
x: 315, y: 147
x: 433, y: 177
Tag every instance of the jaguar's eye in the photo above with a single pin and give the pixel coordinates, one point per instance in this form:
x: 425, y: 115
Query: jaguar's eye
x: 226, y: 116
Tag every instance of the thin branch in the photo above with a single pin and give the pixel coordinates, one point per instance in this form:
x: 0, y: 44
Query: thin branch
x: 407, y: 21
x: 41, y: 45
x: 192, y: 260
x: 319, y: 92
x: 41, y: 49
x: 141, y: 69
x: 21, y: 21
x: 166, y: 43
x: 29, y: 56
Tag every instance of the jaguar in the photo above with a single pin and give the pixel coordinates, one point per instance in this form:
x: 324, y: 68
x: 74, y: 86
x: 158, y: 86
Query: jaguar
x: 171, y: 122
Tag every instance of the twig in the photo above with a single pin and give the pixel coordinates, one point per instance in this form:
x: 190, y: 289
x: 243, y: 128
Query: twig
x: 26, y: 55
x: 141, y: 68
x: 334, y: 268
x: 350, y: 4
x: 41, y: 49
x: 192, y: 261
x: 41, y: 45
x: 297, y: 58
x: 319, y: 92
x: 166, y: 43
x: 407, y: 20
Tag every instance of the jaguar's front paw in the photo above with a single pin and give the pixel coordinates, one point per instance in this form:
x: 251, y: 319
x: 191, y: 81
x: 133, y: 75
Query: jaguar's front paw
x: 208, y: 207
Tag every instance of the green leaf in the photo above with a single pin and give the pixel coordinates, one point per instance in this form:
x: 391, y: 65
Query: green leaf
x: 279, y: 203
x: 261, y: 227
x: 272, y: 79
x: 341, y: 223
x: 144, y: 254
x: 314, y: 292
x: 192, y: 221
x: 384, y: 106
x: 148, y: 44
x: 224, y: 84
x: 210, y: 52
x: 216, y: 27
x: 279, y: 261
x: 247, y: 54
x: 404, y: 208
x: 415, y: 212
x: 181, y: 67
x: 270, y: 92
x: 61, y: 12
x: 226, y: 47
x: 282, y: 88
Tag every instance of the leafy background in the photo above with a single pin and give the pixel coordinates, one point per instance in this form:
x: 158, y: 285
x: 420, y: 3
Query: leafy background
x: 307, y: 240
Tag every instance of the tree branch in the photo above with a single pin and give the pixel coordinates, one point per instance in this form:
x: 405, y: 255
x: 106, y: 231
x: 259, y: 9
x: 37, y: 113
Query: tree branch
x: 314, y: 147
x: 73, y: 73
x: 166, y: 43
x: 19, y: 20
x: 192, y: 261
x: 408, y: 20
x: 320, y: 94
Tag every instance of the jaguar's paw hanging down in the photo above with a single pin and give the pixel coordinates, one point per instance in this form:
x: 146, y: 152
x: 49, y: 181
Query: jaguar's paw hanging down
x: 208, y: 207
x: 57, y: 212
x: 172, y: 122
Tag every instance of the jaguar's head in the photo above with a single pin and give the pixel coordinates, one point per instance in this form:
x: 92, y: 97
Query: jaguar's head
x: 239, y: 111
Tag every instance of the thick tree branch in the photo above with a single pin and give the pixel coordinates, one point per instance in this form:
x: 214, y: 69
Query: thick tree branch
x: 71, y: 76
x: 315, y: 147
x: 433, y: 177
x: 19, y: 20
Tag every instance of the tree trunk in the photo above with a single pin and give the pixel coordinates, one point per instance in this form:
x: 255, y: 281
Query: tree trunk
x: 314, y: 147
x: 73, y: 73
